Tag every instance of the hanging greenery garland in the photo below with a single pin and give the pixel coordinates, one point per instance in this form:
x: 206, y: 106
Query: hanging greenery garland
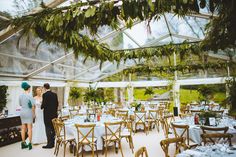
x: 64, y: 26
x: 145, y: 69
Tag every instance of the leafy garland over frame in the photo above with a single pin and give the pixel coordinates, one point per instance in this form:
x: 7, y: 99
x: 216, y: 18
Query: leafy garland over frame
x: 61, y: 25
x: 144, y: 69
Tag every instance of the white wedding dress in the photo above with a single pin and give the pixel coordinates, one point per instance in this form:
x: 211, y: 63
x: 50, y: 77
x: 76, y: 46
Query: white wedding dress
x: 39, y: 133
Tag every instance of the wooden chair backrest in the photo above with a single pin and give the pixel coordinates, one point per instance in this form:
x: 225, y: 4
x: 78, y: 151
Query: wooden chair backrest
x: 153, y: 114
x: 216, y: 138
x: 179, y: 144
x: 113, y: 130
x: 184, y: 131
x: 214, y: 135
x: 85, y: 132
x: 141, y: 152
x: 140, y: 116
x: 123, y: 116
x: 167, y: 120
x: 59, y: 128
x: 207, y: 129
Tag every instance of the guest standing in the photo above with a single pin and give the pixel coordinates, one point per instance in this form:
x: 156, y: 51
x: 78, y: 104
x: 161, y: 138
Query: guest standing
x: 27, y: 113
x: 49, y: 106
x: 39, y: 133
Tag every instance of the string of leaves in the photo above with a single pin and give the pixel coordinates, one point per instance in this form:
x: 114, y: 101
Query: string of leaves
x: 65, y: 26
x: 187, y: 68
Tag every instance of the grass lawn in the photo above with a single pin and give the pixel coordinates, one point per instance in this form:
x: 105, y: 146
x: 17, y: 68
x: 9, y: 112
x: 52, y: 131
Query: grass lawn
x: 186, y: 95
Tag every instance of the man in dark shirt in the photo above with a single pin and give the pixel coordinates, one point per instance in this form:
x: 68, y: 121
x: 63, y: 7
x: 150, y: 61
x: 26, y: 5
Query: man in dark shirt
x: 49, y: 106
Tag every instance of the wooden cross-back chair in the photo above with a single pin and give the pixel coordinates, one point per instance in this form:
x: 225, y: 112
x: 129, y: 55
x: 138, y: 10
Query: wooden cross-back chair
x: 126, y: 133
x: 123, y: 115
x: 166, y: 122
x: 153, y: 117
x: 179, y: 141
x: 86, y: 137
x: 213, y: 135
x: 112, y: 135
x: 61, y: 137
x: 141, y: 152
x: 111, y: 112
x: 181, y: 130
x: 140, y: 119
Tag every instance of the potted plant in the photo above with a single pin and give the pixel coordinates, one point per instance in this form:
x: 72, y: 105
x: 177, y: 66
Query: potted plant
x: 74, y: 96
x: 94, y: 96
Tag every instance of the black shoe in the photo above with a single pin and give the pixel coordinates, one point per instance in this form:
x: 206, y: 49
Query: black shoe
x: 48, y: 146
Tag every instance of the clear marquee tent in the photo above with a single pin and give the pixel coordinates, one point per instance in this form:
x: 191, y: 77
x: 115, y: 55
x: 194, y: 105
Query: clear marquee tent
x: 52, y: 64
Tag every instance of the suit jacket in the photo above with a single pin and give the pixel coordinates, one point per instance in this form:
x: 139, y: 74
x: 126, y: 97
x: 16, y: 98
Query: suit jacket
x: 49, y: 106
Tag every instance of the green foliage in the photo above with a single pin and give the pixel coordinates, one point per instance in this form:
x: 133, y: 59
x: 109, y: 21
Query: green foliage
x: 109, y: 94
x: 137, y: 106
x: 207, y: 114
x: 139, y: 93
x: 61, y: 25
x: 206, y: 92
x: 92, y: 95
x: 149, y: 91
x: 74, y: 93
x: 221, y: 32
x: 3, y: 97
x: 74, y: 96
x: 146, y: 69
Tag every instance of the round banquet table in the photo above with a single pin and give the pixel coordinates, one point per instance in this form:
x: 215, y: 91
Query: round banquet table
x: 217, y: 150
x: 195, y: 131
x: 99, y: 129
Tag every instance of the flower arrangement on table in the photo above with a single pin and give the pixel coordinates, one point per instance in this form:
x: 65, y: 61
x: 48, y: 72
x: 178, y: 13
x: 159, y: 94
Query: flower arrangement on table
x: 205, y: 116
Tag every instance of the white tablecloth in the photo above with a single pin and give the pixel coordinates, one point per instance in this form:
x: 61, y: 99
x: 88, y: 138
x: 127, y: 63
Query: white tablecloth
x: 217, y: 150
x: 99, y: 130
x: 195, y: 131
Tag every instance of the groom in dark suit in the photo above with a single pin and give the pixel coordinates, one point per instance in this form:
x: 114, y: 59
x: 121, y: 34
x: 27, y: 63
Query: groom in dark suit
x: 49, y: 106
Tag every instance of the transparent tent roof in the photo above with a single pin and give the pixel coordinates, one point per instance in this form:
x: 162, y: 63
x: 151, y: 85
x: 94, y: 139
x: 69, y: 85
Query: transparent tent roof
x: 52, y: 62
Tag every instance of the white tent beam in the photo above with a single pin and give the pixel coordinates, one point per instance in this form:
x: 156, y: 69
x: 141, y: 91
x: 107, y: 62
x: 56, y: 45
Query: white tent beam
x: 151, y: 43
x: 186, y: 37
x: 89, y: 69
x: 37, y: 60
x: 49, y: 65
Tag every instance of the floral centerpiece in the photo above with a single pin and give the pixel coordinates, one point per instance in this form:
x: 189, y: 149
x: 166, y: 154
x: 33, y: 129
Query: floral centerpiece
x: 205, y: 115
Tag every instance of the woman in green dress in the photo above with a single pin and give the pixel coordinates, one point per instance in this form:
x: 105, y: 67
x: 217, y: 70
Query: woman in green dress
x: 27, y: 114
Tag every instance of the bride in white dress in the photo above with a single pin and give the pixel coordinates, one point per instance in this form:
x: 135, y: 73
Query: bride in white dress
x: 39, y: 134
